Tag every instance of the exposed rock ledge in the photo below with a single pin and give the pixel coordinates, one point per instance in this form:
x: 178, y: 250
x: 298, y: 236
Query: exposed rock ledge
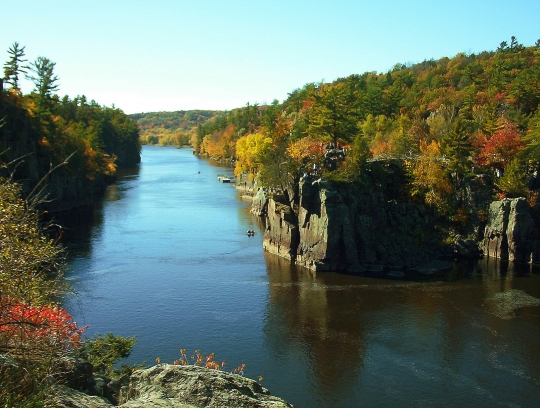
x: 330, y: 227
x: 176, y: 386
x: 333, y: 227
x: 512, y: 233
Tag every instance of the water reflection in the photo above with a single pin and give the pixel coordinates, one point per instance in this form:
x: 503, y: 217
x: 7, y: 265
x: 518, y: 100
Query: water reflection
x: 367, y: 334
x: 331, y: 336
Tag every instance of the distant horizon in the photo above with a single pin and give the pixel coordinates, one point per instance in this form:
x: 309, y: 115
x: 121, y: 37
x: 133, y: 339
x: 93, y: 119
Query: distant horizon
x: 408, y: 64
x: 166, y: 56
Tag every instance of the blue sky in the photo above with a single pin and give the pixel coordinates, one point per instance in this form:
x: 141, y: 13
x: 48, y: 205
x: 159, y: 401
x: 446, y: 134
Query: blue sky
x: 166, y: 55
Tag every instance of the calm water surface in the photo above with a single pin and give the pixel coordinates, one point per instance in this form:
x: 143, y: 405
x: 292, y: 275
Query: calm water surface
x: 166, y: 257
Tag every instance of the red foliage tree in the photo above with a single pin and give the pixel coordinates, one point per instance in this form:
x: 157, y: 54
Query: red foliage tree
x: 501, y: 148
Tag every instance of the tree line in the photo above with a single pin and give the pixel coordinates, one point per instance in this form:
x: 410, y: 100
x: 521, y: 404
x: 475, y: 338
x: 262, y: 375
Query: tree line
x: 45, y: 129
x: 171, y: 128
x: 447, y: 121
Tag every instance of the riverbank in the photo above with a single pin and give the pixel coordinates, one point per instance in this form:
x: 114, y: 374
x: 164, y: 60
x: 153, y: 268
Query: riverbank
x: 368, y: 229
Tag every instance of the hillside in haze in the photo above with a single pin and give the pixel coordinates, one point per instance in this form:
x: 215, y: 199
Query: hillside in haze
x: 171, y: 128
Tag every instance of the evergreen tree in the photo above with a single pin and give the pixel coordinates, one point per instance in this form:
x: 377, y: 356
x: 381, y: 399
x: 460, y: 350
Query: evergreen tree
x: 512, y: 183
x: 332, y: 115
x: 14, y: 67
x: 45, y: 82
x: 458, y: 149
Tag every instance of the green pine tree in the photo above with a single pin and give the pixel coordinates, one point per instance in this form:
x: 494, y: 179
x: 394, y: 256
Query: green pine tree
x: 14, y: 66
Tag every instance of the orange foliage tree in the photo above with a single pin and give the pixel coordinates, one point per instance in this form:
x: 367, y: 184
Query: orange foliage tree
x: 23, y: 324
x: 307, y: 152
x: 221, y: 143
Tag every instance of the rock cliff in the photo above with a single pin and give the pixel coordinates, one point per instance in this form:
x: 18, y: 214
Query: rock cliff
x: 352, y: 228
x: 511, y: 233
x: 346, y: 228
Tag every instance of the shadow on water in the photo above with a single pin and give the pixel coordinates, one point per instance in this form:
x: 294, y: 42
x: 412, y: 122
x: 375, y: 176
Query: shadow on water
x: 80, y: 225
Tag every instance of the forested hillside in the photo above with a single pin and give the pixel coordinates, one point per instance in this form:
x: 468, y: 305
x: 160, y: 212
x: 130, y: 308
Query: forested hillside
x: 446, y: 121
x: 40, y: 131
x: 171, y: 128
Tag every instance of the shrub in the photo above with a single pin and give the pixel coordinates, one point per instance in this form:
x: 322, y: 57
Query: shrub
x: 34, y: 329
x: 103, y: 352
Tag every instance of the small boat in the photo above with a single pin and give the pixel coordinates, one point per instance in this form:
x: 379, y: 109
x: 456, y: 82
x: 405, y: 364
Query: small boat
x: 227, y: 179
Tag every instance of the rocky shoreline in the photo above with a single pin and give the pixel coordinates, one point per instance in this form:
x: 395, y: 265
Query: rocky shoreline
x: 342, y: 228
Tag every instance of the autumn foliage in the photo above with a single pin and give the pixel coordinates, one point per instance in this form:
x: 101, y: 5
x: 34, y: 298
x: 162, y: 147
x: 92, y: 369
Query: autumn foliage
x: 34, y: 329
x: 499, y: 149
x: 430, y: 181
x: 37, y: 326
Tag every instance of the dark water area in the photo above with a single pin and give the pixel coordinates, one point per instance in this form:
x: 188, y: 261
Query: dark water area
x: 165, y: 256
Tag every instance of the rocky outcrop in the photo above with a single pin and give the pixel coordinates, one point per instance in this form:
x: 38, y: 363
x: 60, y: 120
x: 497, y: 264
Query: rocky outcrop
x: 349, y: 229
x: 511, y: 233
x: 281, y: 236
x: 191, y: 386
x: 368, y: 226
x: 175, y: 386
x: 259, y: 206
x: 466, y: 248
x: 327, y: 235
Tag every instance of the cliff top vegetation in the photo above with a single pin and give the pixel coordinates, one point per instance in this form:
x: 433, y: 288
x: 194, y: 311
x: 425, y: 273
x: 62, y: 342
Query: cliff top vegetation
x: 44, y: 129
x: 447, y: 121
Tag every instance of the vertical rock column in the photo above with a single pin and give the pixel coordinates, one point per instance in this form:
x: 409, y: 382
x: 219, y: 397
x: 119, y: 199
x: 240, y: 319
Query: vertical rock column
x: 281, y: 234
x: 495, y: 243
x: 327, y: 238
x: 510, y: 231
x: 520, y: 231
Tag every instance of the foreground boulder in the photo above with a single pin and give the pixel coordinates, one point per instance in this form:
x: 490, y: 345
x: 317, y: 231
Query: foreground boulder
x: 189, y: 386
x: 65, y: 397
x: 177, y: 386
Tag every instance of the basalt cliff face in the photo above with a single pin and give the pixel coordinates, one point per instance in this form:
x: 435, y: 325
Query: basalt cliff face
x: 341, y: 227
x: 513, y: 231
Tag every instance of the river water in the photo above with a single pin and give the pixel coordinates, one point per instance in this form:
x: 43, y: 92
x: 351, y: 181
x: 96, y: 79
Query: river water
x: 165, y: 256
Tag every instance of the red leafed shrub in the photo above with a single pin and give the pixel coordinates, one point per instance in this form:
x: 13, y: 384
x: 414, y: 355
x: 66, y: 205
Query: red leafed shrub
x: 24, y: 323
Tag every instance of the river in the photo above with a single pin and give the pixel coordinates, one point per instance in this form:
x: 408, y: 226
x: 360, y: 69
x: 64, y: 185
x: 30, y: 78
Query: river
x: 165, y: 256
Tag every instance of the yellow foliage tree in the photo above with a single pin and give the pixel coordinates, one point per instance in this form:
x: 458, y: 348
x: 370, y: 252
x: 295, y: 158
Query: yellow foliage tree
x: 250, y: 149
x: 430, y: 180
